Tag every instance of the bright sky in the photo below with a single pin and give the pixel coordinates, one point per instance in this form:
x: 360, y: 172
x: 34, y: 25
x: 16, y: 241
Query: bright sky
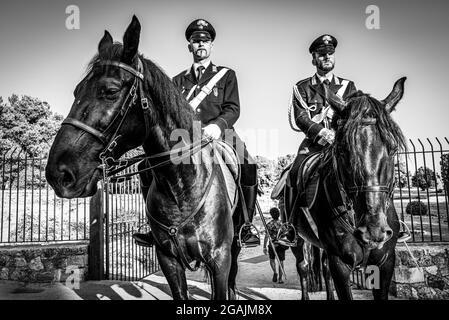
x: 265, y: 42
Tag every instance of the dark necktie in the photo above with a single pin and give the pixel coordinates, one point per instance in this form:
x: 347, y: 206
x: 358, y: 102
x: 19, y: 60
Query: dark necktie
x: 200, y: 71
x: 325, y: 85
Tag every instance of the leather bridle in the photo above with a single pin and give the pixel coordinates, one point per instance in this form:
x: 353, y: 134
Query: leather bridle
x: 130, y: 100
x: 388, y: 189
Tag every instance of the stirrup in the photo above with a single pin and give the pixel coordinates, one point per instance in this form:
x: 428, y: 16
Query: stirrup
x: 286, y: 228
x: 243, y: 244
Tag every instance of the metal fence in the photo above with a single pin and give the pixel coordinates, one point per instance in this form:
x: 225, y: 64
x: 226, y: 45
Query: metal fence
x: 30, y: 210
x: 428, y: 221
x: 125, y: 214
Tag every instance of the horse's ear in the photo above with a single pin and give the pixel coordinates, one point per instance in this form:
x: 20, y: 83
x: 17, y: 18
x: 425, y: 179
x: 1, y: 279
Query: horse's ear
x: 105, y: 42
x: 131, y: 41
x: 395, y: 96
x: 335, y: 101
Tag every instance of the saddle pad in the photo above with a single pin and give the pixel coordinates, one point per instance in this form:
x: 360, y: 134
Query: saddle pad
x: 311, y: 190
x: 228, y: 155
x: 308, y: 168
x: 227, y: 160
x: 279, y: 187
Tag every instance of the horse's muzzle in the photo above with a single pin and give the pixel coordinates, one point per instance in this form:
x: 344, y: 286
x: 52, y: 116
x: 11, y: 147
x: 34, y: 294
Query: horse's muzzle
x: 67, y: 184
x: 373, y: 237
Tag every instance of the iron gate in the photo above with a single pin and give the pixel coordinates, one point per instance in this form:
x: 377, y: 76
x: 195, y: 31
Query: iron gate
x: 124, y: 214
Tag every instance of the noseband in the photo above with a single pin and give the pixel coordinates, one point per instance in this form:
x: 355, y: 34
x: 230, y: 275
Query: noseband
x: 128, y: 103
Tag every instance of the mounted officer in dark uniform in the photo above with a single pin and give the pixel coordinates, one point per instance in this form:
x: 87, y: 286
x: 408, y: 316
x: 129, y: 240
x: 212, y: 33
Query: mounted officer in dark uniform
x: 310, y: 111
x: 212, y: 92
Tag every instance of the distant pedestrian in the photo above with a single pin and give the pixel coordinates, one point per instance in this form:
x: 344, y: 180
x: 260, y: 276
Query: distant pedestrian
x: 273, y: 228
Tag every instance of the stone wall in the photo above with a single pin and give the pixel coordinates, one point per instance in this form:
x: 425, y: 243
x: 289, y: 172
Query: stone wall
x: 428, y: 281
x: 44, y: 263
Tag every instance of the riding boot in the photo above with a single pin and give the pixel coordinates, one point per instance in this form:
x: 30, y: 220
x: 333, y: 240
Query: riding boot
x: 146, y: 177
x: 144, y: 239
x: 250, y: 196
x: 287, y: 231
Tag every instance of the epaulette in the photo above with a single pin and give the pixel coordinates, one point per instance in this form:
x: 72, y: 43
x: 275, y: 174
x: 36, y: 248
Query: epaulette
x: 302, y: 81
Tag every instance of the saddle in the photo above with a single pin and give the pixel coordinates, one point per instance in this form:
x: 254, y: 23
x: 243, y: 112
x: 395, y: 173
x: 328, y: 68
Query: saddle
x: 278, y: 190
x: 307, y: 178
x: 227, y: 159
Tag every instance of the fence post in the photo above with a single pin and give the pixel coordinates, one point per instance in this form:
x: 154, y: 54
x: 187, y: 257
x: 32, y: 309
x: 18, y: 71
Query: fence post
x: 96, y: 238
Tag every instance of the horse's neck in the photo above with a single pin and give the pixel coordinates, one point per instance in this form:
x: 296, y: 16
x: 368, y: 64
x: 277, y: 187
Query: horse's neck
x: 177, y: 174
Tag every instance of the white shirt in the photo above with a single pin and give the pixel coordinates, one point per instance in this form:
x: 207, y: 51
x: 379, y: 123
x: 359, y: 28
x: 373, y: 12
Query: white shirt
x: 329, y: 76
x: 205, y: 63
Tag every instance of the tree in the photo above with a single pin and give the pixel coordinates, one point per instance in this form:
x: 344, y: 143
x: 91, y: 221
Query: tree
x: 423, y: 178
x: 27, y: 123
x: 265, y: 173
x: 282, y: 163
x: 27, y: 130
x: 445, y: 169
x: 400, y: 174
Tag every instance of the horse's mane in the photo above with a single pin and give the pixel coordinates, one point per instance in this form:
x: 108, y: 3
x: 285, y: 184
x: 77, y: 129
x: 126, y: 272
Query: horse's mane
x: 166, y: 97
x: 362, y: 106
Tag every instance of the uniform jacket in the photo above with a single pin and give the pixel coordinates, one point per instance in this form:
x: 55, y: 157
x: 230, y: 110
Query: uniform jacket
x: 222, y: 105
x: 314, y: 113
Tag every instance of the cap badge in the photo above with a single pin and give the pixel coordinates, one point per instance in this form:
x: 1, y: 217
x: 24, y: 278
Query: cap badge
x: 202, y: 23
x: 327, y: 39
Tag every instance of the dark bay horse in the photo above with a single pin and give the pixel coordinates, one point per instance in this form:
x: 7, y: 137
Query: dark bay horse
x: 126, y: 101
x: 353, y: 210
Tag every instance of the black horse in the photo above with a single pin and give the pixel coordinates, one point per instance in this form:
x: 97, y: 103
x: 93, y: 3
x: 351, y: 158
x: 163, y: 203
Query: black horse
x: 126, y: 101
x: 353, y: 209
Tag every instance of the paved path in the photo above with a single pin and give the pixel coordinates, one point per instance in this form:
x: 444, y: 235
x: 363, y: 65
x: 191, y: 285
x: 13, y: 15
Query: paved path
x: 254, y: 283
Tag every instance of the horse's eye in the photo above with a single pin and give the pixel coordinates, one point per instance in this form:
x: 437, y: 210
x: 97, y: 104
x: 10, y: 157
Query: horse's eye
x: 109, y: 93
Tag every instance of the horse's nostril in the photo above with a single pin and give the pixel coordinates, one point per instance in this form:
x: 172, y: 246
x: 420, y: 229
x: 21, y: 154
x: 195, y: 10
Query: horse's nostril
x: 389, y: 233
x: 68, y: 178
x: 360, y: 234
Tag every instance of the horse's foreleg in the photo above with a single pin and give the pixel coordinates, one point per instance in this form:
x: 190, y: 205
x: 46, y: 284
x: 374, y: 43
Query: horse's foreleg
x: 235, y: 251
x: 301, y: 268
x: 327, y: 276
x: 218, y: 268
x: 385, y: 274
x: 175, y: 275
x: 340, y: 274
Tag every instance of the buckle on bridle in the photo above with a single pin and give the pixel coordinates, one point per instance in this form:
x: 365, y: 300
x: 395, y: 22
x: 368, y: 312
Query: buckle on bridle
x: 172, y: 231
x: 145, y: 104
x: 113, y: 144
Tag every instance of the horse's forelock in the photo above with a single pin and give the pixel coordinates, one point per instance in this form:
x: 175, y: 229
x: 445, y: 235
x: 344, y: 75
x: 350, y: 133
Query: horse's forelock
x: 362, y: 106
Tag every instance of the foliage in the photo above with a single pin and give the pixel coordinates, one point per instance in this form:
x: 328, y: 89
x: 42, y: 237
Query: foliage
x: 445, y: 169
x: 27, y: 123
x: 265, y: 173
x: 401, y: 175
x: 423, y: 178
x: 416, y: 208
x: 27, y: 129
x: 282, y: 162
x: 269, y: 171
